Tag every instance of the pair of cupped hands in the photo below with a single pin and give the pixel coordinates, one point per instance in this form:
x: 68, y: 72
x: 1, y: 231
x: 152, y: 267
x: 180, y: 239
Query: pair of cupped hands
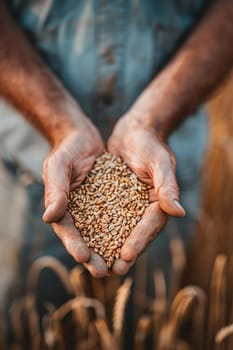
x: 70, y: 160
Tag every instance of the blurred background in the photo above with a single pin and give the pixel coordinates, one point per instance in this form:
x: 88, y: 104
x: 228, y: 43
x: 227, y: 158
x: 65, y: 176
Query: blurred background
x: 196, y: 312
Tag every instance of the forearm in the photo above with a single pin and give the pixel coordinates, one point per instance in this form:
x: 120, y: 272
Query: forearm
x: 199, y: 66
x: 31, y: 87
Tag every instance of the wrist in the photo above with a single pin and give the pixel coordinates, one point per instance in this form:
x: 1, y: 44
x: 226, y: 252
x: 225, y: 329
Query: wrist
x: 62, y: 129
x: 61, y: 132
x: 156, y: 123
x: 64, y: 124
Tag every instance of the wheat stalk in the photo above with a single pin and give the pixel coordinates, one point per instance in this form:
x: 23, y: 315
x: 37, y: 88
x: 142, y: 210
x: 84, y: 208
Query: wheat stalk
x: 106, y: 338
x: 229, y: 341
x: 14, y: 347
x: 181, y: 309
x: 33, y: 322
x: 58, y: 315
x: 38, y: 265
x: 140, y: 285
x: 55, y: 265
x: 47, y: 332
x: 2, y: 338
x: 223, y: 334
x: 118, y: 311
x: 160, y: 303
x: 217, y: 302
x: 15, y: 317
x: 93, y: 339
x: 112, y: 283
x: 178, y: 264
x: 70, y: 305
x: 98, y: 289
x: 160, y: 300
x: 182, y: 345
x: 77, y: 281
x: 143, y: 329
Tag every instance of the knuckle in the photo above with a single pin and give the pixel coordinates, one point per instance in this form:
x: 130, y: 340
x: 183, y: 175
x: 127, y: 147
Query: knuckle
x: 44, y: 169
x: 162, y: 223
x: 135, y: 247
x: 173, y: 161
x: 76, y: 253
x: 164, y: 154
x: 47, y: 164
x: 168, y: 157
x: 151, y: 236
x: 79, y: 257
x: 47, y: 161
x: 48, y: 189
x: 167, y: 190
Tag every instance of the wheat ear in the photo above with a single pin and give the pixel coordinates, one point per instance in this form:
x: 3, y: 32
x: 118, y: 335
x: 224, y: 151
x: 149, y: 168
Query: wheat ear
x: 217, y: 303
x: 119, y: 310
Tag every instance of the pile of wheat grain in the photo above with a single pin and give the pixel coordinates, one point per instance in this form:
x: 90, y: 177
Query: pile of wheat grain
x: 108, y: 205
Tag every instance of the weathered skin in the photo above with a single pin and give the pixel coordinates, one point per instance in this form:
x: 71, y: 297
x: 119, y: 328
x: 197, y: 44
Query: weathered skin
x: 198, y: 67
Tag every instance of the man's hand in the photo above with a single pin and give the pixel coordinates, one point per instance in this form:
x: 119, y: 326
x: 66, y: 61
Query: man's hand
x: 192, y: 74
x: 152, y: 161
x: 64, y: 169
x: 28, y: 83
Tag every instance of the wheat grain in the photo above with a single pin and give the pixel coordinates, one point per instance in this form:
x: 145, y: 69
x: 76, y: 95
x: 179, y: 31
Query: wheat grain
x: 108, y: 205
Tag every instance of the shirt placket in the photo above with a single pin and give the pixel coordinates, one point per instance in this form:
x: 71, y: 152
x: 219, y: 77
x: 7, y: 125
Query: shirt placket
x: 111, y: 35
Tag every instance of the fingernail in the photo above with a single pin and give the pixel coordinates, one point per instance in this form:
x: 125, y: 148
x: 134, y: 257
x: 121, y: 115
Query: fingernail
x: 179, y: 206
x: 48, y: 210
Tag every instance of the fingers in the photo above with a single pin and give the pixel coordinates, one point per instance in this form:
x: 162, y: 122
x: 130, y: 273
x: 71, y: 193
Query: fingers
x: 77, y: 248
x: 72, y: 239
x: 121, y: 267
x: 166, y: 187
x: 151, y: 223
x: 96, y: 266
x: 56, y: 184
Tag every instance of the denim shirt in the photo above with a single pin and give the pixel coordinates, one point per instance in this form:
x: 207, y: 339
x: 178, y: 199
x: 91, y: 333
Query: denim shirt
x: 106, y: 52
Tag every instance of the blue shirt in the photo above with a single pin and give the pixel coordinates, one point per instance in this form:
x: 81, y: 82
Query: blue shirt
x: 105, y: 52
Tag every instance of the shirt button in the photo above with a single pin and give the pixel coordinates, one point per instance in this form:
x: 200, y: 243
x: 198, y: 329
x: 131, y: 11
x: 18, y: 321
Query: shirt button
x: 107, y: 93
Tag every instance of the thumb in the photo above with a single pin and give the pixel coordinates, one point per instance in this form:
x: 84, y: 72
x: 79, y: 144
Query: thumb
x: 166, y: 188
x: 56, y: 186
